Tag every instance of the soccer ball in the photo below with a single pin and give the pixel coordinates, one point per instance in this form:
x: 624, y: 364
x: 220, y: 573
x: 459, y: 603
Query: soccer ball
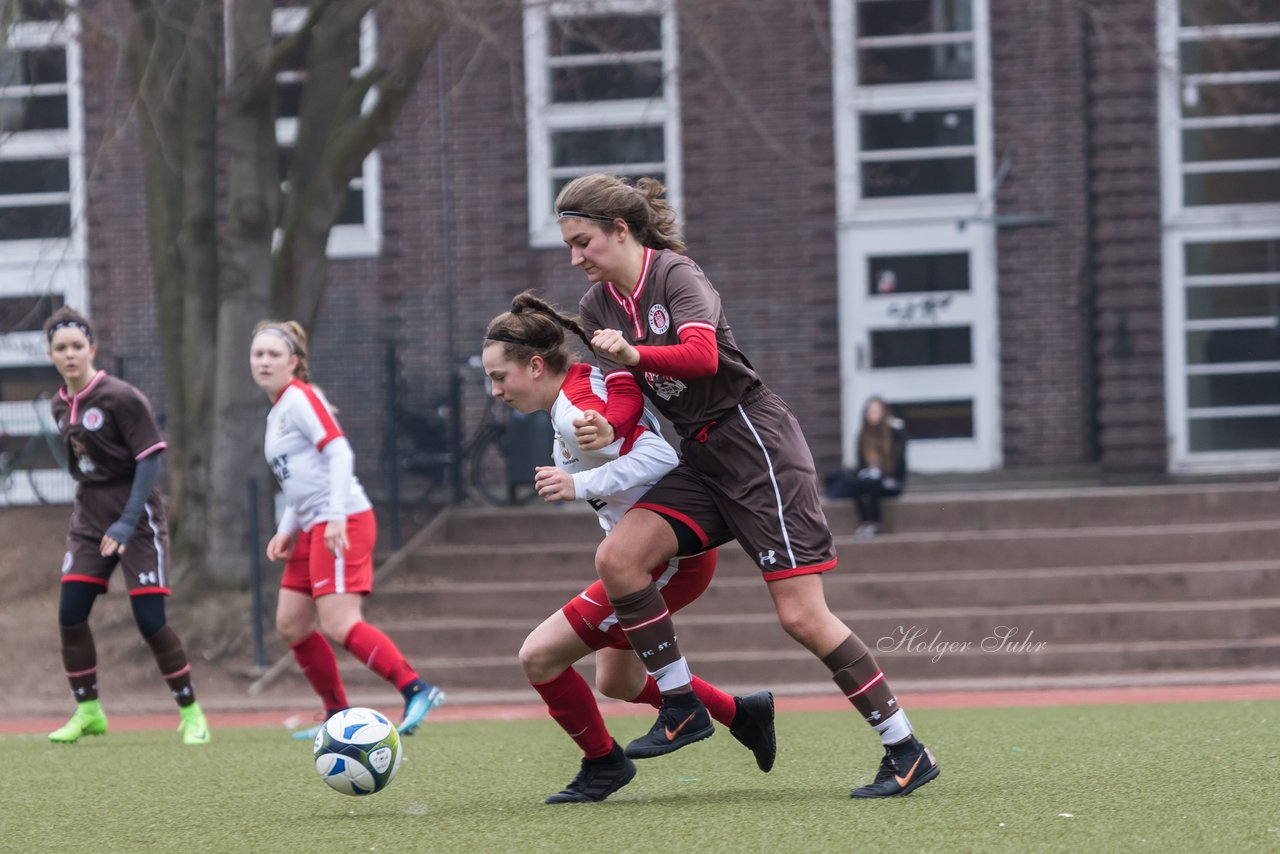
x: 357, y: 752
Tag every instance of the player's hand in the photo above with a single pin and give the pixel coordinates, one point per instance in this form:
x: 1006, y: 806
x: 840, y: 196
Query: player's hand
x: 592, y: 431
x: 279, y: 546
x: 335, y: 537
x: 554, y: 484
x: 114, y: 540
x: 615, y: 346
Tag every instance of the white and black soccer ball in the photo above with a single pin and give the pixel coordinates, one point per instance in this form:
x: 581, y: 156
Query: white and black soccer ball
x: 357, y: 752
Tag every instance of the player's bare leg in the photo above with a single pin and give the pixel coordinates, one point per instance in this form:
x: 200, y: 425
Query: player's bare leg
x: 342, y: 621
x: 547, y: 657
x: 803, y: 612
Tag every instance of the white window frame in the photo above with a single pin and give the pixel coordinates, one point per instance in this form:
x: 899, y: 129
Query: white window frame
x: 852, y: 100
x: 346, y: 240
x: 543, y: 118
x: 48, y: 266
x: 1199, y: 224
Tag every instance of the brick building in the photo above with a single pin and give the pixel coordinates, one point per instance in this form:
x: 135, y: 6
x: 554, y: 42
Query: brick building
x: 1047, y: 233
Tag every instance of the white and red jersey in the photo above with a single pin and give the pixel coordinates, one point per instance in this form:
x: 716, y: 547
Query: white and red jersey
x: 299, y: 427
x: 613, y: 478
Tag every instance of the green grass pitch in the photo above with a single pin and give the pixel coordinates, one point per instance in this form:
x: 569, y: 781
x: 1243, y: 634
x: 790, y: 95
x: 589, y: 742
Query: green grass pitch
x: 1193, y: 777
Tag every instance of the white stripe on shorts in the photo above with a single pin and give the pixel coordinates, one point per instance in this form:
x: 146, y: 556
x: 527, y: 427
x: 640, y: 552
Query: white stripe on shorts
x: 777, y: 494
x: 155, y: 539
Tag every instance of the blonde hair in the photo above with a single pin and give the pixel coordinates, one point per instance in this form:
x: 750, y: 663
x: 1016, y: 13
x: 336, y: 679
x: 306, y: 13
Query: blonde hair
x: 603, y: 198
x: 293, y: 333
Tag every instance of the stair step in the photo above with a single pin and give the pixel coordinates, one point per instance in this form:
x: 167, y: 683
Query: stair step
x: 932, y: 511
x: 413, y: 595
x: 792, y: 665
x: 913, y: 552
x: 759, y: 631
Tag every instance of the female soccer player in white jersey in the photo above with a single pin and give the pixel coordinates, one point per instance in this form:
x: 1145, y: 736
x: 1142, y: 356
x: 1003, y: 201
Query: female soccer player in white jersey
x: 326, y: 534
x: 527, y: 358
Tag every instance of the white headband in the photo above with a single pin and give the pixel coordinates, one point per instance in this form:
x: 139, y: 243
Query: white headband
x: 282, y: 335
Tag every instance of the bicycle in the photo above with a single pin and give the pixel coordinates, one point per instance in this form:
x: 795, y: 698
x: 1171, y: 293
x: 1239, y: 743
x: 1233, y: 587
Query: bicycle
x: 41, y: 447
x: 485, y: 457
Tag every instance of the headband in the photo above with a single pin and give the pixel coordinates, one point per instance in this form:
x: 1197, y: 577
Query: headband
x: 520, y: 342
x: 581, y: 215
x: 282, y: 335
x: 73, y: 324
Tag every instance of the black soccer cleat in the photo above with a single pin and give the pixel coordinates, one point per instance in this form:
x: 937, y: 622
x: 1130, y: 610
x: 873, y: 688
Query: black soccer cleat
x: 680, y: 721
x: 597, y: 779
x: 753, y: 727
x: 905, y: 767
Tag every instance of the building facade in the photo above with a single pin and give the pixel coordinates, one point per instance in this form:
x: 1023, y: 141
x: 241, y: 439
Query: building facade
x: 1047, y: 233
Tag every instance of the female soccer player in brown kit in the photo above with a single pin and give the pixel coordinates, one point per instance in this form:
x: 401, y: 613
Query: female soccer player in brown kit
x: 113, y: 452
x: 326, y: 535
x: 746, y: 472
x: 528, y: 361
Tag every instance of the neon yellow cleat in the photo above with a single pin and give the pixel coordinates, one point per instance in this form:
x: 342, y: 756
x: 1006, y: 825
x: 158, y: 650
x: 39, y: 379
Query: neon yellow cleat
x: 194, y: 727
x: 88, y: 719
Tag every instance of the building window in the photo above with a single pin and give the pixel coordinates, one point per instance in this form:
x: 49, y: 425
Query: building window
x: 358, y: 230
x: 1228, y: 55
x: 1220, y: 116
x: 42, y: 230
x: 915, y: 80
x: 602, y: 96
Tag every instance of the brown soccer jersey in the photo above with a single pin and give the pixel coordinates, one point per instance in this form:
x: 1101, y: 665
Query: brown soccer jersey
x: 672, y: 295
x: 107, y: 428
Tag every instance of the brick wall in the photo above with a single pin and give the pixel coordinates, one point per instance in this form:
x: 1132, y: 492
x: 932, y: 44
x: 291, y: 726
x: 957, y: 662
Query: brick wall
x: 1124, y: 177
x: 759, y: 206
x: 1038, y: 94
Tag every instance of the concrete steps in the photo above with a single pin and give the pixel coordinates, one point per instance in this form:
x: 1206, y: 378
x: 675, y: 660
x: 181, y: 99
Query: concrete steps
x: 1065, y: 584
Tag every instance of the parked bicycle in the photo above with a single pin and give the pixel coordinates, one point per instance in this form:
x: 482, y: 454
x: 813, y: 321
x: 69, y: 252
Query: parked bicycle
x: 33, y: 457
x: 425, y: 462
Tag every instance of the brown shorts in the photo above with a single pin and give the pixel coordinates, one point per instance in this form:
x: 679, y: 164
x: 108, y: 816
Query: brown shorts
x: 752, y: 480
x: 145, y: 561
x: 680, y: 582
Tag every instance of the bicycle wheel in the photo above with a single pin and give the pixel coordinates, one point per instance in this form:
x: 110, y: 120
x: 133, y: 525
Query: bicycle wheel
x: 40, y: 490
x: 487, y: 478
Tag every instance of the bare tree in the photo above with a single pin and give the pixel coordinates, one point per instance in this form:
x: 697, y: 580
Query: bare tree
x: 229, y: 245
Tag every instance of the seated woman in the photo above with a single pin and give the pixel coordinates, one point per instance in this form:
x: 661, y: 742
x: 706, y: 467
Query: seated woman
x: 882, y: 465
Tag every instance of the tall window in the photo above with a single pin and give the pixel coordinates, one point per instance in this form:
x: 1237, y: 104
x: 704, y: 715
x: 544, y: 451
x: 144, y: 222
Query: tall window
x: 601, y: 97
x: 1221, y: 157
x: 916, y: 98
x: 1229, y: 58
x: 42, y: 234
x: 358, y: 230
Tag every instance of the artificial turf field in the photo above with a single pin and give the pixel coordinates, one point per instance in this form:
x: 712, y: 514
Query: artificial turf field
x: 1179, y: 777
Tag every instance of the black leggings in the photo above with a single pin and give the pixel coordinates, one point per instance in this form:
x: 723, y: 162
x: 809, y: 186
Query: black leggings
x: 76, y: 602
x: 867, y: 492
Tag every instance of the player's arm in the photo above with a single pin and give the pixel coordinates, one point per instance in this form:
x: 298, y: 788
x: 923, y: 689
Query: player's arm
x: 121, y: 531
x: 338, y: 454
x: 279, y: 545
x: 646, y: 462
x: 697, y: 354
x: 624, y: 403
x: 142, y: 436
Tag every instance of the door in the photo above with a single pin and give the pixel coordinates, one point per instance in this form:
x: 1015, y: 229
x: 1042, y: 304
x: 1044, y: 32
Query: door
x: 919, y: 330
